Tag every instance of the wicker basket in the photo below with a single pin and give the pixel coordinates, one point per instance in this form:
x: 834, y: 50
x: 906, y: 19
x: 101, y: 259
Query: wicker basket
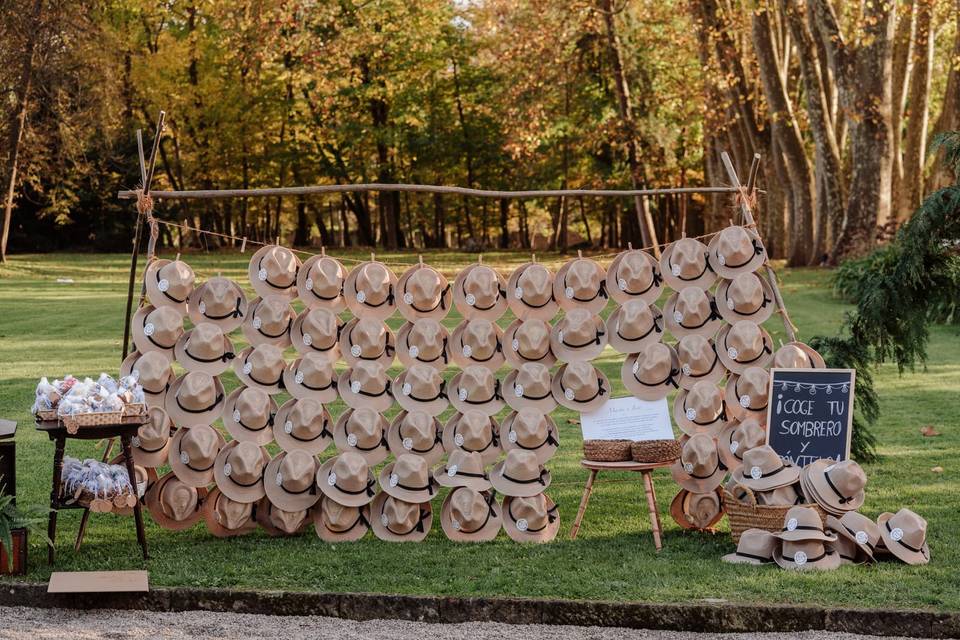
x: 119, y: 503
x: 607, y: 450
x: 47, y: 415
x: 131, y: 414
x: 750, y: 515
x: 655, y: 450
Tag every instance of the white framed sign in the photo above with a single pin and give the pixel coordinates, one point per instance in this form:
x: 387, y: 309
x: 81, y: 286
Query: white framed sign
x: 628, y: 418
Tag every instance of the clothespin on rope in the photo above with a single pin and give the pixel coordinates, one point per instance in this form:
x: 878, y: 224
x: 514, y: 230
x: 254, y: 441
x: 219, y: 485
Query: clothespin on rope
x: 323, y: 251
x: 533, y: 258
x: 243, y: 245
x: 629, y: 246
x: 420, y: 260
x: 579, y: 254
x: 373, y: 257
x: 480, y: 258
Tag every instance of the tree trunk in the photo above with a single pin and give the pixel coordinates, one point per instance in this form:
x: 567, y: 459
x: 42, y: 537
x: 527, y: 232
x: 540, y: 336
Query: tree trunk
x: 949, y: 119
x: 504, y: 219
x: 914, y: 146
x: 586, y: 222
x: 903, y: 39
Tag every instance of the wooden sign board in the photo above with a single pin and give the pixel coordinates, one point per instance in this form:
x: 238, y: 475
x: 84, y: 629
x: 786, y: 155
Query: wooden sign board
x: 810, y: 414
x: 98, y: 581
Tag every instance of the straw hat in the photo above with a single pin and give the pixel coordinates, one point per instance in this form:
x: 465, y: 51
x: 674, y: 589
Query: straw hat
x: 835, y: 486
x: 700, y: 410
x: 737, y: 438
x: 477, y: 342
x: 156, y: 329
x: 311, y: 376
x: 416, y: 433
x: 173, y: 504
x: 806, y: 555
x: 220, y: 301
x: 152, y: 441
x: 367, y: 340
x: 858, y: 529
x: 698, y: 468
x: 634, y: 275
x: 317, y: 331
x: 531, y: 430
x: 764, y: 470
x: 168, y: 284
x: 530, y: 292
x: 520, y: 474
x: 529, y: 386
x: 797, y: 355
x: 463, y: 469
x: 850, y: 552
x: 633, y: 325
x: 362, y: 431
x: 746, y: 394
x: 273, y: 272
x: 802, y: 522
x: 699, y: 361
x: 366, y: 385
x: 268, y: 321
x: 578, y: 336
x: 369, y: 291
x: 424, y: 293
x: 425, y: 341
x: 408, y: 478
x: 277, y: 522
x: 303, y: 425
x: 474, y: 432
x: 692, y: 310
x: 239, y: 470
x: 154, y: 373
x: 476, y: 388
x: 249, y: 415
x: 652, y: 373
x: 262, y: 367
x: 204, y: 348
x: 226, y: 518
x: 756, y: 546
x: 746, y: 297
x: 528, y: 341
x: 744, y: 344
x: 736, y: 250
x: 781, y: 496
x: 698, y: 511
x: 480, y: 292
x: 904, y: 534
x: 194, y: 398
x: 581, y: 283
x: 290, y: 480
x: 684, y: 264
x: 580, y: 386
x: 420, y: 388
x: 530, y: 519
x: 470, y: 516
x: 347, y: 480
x: 335, y: 522
x: 193, y: 452
x: 320, y: 283
x: 395, y: 520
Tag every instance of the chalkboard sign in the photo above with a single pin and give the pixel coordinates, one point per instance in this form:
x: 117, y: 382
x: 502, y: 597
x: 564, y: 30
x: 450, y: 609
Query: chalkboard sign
x: 809, y: 414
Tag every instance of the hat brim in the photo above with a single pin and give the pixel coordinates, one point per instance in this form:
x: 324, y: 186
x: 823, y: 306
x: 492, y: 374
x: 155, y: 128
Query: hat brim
x: 486, y: 533
x: 707, y: 330
x: 800, y: 536
x: 704, y: 281
x: 583, y: 407
x: 647, y: 391
x: 737, y: 410
x: 407, y: 402
x: 351, y: 534
x: 372, y: 456
x: 266, y: 288
x: 736, y: 558
x: 830, y: 561
x: 411, y: 312
x: 345, y: 345
x: 755, y: 262
x: 525, y: 311
x: 288, y: 443
x: 680, y: 516
x: 422, y: 495
x: 152, y: 502
x: 300, y: 391
x: 283, y: 499
x: 140, y: 339
x: 263, y: 509
x: 594, y: 305
x: 729, y: 459
x: 494, y: 362
x: 488, y: 455
x: 764, y: 359
x: 341, y: 497
x: 519, y: 489
x: 455, y: 481
x: 214, y: 526
x: 227, y: 324
x: 545, y: 451
x: 256, y: 336
x: 187, y: 475
x: 788, y: 476
x: 361, y: 309
x: 547, y: 534
x: 230, y: 488
x: 395, y: 442
x: 620, y: 296
x: 403, y: 349
x: 591, y: 351
x: 690, y: 427
x: 237, y: 431
x: 153, y: 398
x: 383, y: 533
x: 732, y: 316
x: 307, y: 296
x: 492, y: 407
x: 331, y: 354
x: 513, y: 356
x: 356, y: 400
x: 153, y: 457
x: 627, y: 346
x: 696, y: 485
x: 515, y: 402
x: 816, y: 360
x: 187, y: 361
x: 469, y: 312
x: 827, y: 498
x: 898, y: 550
x: 151, y: 286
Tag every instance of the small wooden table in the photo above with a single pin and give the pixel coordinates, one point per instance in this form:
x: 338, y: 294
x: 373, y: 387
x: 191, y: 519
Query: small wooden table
x: 58, y: 434
x: 645, y: 469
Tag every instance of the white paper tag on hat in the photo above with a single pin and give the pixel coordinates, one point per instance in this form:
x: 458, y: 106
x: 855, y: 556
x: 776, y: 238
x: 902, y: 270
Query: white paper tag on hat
x: 512, y: 437
x: 568, y: 394
x: 732, y: 353
x: 452, y: 470
x: 686, y: 369
x: 298, y: 377
x: 730, y: 304
x: 734, y: 445
x: 407, y: 389
x: 384, y: 520
x: 414, y: 351
x: 721, y: 259
x: 257, y: 323
x: 309, y: 284
x: 236, y: 415
x: 455, y: 524
x: 394, y: 479
x: 202, y: 307
x: 148, y: 329
x: 184, y: 457
x: 745, y: 401
x: 470, y: 299
x: 560, y: 335
x: 522, y: 524
x: 518, y: 390
x: 458, y: 440
x: 756, y: 473
x: 307, y: 339
x: 355, y: 351
x: 792, y: 524
x: 361, y: 297
x: 691, y: 414
x: 896, y: 534
x: 861, y: 537
x: 279, y: 479
x: 800, y: 558
x: 462, y: 393
x: 636, y: 366
x: 568, y: 292
x: 677, y: 317
x: 227, y: 469
x: 247, y: 368
x: 518, y: 293
x: 135, y: 441
x: 355, y: 386
x: 408, y: 444
x: 332, y: 479
x: 467, y: 351
x: 675, y: 269
x: 352, y: 440
x: 262, y: 275
x: 622, y: 284
x: 688, y: 467
x: 515, y: 344
x: 408, y: 298
x: 163, y: 285
x: 288, y: 427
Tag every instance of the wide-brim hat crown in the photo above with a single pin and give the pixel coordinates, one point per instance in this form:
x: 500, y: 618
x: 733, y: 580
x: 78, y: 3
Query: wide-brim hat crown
x: 530, y: 292
x: 684, y: 263
x: 746, y: 297
x: 268, y: 321
x: 477, y: 342
x: 347, y: 479
x: 396, y: 520
x: 472, y: 431
x: 409, y: 479
x: 205, y: 348
x: 743, y: 345
x: 904, y: 534
x: 480, y: 292
x: 803, y: 522
x: 701, y: 409
x: 425, y: 341
x: 366, y: 385
x: 578, y: 336
x: 227, y: 518
x: 362, y: 431
x: 746, y: 394
x: 699, y: 361
x: 173, y: 504
x: 652, y: 373
x: 634, y: 275
x: 303, y: 424
x: 580, y: 386
x: 528, y: 341
x: 311, y: 376
x: 317, y: 331
x: 193, y: 453
x: 520, y: 474
x: 737, y: 438
x: 756, y: 546
x: 156, y: 329
x: 367, y: 340
x: 633, y: 325
x: 320, y: 283
x: 463, y: 469
x: 195, y: 398
x: 806, y: 555
x: 764, y: 470
x: 249, y: 415
x: 691, y: 311
x: 417, y: 433
x: 420, y: 388
x: 581, y: 283
x: 470, y: 516
x: 698, y: 469
x: 533, y: 430
x: 529, y: 386
x: 797, y: 355
x: 262, y: 367
x: 476, y: 389
x: 218, y: 300
x: 838, y: 487
x: 273, y: 272
x: 335, y: 522
x: 530, y: 519
x: 169, y: 283
x: 423, y: 292
x: 290, y: 480
x: 153, y: 438
x: 154, y: 373
x: 736, y: 250
x: 239, y: 469
x: 370, y: 290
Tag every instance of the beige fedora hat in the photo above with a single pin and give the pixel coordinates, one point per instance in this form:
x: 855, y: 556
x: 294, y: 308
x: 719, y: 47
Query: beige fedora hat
x: 362, y: 431
x: 463, y: 469
x: 290, y: 480
x: 193, y: 452
x: 700, y: 409
x: 698, y: 469
x: 797, y: 355
x: 156, y: 329
x: 850, y: 552
x: 476, y: 388
x: 423, y: 292
x: 530, y: 519
x: 303, y: 425
x: 633, y: 325
x: 746, y: 297
x: 578, y: 336
x: 692, y: 310
x: 420, y: 388
x: 367, y: 340
x: 581, y: 283
x: 152, y: 441
x: 802, y: 522
x: 580, y: 386
x: 857, y: 528
x: 250, y: 415
x: 529, y: 386
x: 396, y: 520
x: 528, y: 341
x: 366, y: 385
x: 277, y: 522
x: 220, y: 301
x: 425, y: 341
x: 478, y: 342
x: 684, y: 263
x: 520, y: 474
x: 169, y: 283
x: 806, y: 555
x: 652, y: 373
x: 416, y: 433
x: 347, y: 480
x: 737, y: 438
x: 174, y: 504
x: 904, y: 534
x: 154, y: 372
x: 204, y: 348
x: 634, y: 275
x: 736, y: 250
x: 320, y: 283
x: 746, y: 394
x: 239, y: 470
x: 195, y: 398
x: 474, y: 432
x: 699, y: 511
x: 470, y: 516
x: 317, y: 330
x: 268, y: 321
x: 530, y: 292
x: 480, y: 292
x: 311, y: 376
x: 273, y: 272
x: 533, y: 430
x: 756, y: 546
x: 369, y: 291
x: 836, y: 486
x: 262, y: 367
x: 764, y: 470
x: 226, y: 518
x: 699, y: 361
x: 744, y: 344
x: 781, y: 496
x: 409, y: 479
x: 335, y: 522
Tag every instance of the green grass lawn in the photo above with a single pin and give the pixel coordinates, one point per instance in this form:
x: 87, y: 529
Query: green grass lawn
x: 51, y: 329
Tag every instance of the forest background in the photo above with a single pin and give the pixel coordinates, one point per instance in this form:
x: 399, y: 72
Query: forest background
x: 841, y: 99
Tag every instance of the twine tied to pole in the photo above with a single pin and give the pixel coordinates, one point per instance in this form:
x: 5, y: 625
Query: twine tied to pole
x: 145, y: 208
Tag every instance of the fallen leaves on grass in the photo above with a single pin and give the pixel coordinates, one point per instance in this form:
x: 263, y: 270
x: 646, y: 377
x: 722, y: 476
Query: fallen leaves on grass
x: 929, y: 431
x: 937, y: 469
